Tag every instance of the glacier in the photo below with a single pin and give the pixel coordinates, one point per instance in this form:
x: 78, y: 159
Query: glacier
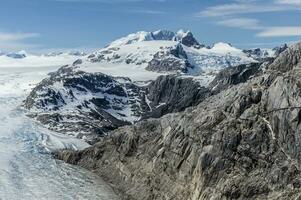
x: 27, y: 168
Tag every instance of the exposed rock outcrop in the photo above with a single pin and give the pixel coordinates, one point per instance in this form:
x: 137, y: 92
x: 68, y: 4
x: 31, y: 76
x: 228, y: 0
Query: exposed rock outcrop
x: 170, y: 60
x: 242, y: 143
x: 89, y: 105
x: 173, y: 94
x: 85, y: 105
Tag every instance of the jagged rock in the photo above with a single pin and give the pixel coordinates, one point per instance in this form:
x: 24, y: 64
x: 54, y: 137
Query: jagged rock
x: 187, y: 39
x: 89, y: 105
x: 85, y: 105
x: 173, y: 94
x: 280, y: 49
x: 170, y: 60
x: 242, y: 143
x: 265, y: 54
x: 235, y: 75
x: 288, y: 59
x: 163, y: 35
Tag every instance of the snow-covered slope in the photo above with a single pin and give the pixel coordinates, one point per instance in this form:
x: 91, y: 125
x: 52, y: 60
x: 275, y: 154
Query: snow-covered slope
x: 36, y: 61
x: 88, y: 97
x: 185, y: 37
x: 146, y: 55
x: 219, y: 56
x: 23, y: 59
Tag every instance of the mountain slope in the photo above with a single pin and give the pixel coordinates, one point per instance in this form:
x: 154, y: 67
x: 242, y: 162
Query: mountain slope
x: 146, y: 55
x: 242, y: 143
x: 141, y: 76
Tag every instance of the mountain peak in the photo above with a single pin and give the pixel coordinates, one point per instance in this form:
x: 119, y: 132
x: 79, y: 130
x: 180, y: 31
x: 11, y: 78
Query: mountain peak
x: 133, y: 38
x: 222, y: 45
x: 163, y: 35
x: 184, y: 37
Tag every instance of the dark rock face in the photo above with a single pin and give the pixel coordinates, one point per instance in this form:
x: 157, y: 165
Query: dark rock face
x: 163, y: 35
x: 242, y: 143
x: 235, y: 75
x: 189, y: 40
x: 89, y: 105
x: 173, y: 94
x: 256, y: 53
x: 170, y: 60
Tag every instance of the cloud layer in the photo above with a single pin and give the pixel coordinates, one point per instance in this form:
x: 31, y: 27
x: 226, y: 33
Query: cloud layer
x: 16, y: 41
x: 233, y: 15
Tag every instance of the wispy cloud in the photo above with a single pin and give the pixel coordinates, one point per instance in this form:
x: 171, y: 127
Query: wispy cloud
x: 16, y: 41
x: 8, y: 37
x: 244, y: 23
x: 281, y: 31
x: 232, y: 15
x: 244, y: 8
x: 289, y: 2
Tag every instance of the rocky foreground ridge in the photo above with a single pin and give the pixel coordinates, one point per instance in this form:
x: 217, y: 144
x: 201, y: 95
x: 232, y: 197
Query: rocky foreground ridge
x: 242, y: 142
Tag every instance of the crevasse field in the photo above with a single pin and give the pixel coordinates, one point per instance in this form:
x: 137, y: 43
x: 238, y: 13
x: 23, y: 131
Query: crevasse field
x: 27, y: 169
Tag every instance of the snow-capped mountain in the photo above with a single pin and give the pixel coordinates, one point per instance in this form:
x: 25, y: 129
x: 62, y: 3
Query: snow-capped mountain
x: 185, y: 37
x: 146, y: 55
x: 259, y: 53
x: 88, y: 97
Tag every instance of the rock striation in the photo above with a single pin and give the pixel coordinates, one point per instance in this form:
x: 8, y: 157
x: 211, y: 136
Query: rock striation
x: 242, y: 142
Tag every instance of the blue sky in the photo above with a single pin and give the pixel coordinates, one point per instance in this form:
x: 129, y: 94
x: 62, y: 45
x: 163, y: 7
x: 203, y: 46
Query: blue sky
x: 52, y: 25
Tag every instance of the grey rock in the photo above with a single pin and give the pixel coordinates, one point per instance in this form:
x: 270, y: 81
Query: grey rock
x: 242, y: 143
x: 172, y: 93
x: 163, y: 35
x: 280, y: 49
x: 81, y: 104
x: 288, y: 59
x: 188, y: 40
x: 170, y: 60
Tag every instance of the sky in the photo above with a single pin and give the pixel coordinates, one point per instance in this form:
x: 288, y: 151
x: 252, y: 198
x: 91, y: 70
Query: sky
x: 57, y: 25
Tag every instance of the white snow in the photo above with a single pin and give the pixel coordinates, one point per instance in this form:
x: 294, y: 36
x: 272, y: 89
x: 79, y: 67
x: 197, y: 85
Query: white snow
x: 140, y: 53
x: 132, y: 38
x: 37, y: 61
x: 220, y: 56
x: 206, y: 62
x: 15, y: 84
x: 27, y: 170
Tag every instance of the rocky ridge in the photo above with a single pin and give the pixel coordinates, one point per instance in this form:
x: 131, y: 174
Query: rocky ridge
x: 243, y: 142
x: 80, y: 101
x: 89, y: 105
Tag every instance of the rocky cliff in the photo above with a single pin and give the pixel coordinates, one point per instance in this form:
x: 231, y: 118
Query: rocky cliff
x: 89, y: 105
x: 240, y: 143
